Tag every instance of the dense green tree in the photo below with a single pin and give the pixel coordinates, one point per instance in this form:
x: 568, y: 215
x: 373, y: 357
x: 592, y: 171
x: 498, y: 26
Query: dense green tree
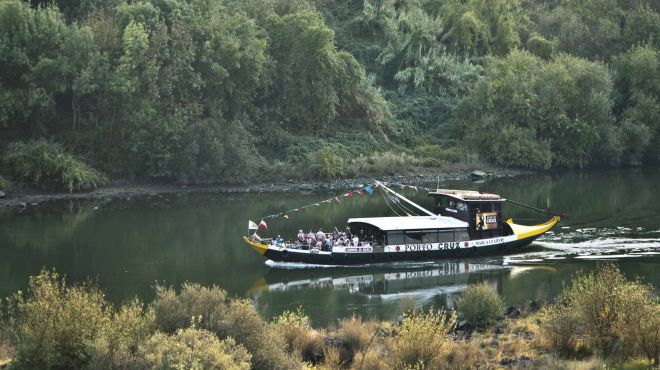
x: 534, y: 114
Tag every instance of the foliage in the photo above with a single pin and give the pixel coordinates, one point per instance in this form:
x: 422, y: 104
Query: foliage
x: 44, y: 163
x: 617, y: 317
x: 480, y: 304
x: 219, y: 91
x: 420, y: 337
x: 4, y: 183
x: 193, y: 348
x: 225, y: 318
x: 326, y: 163
x: 54, y: 325
x: 535, y: 114
x: 302, y: 340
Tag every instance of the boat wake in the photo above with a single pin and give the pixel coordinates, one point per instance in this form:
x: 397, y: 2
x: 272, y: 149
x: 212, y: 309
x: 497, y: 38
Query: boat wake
x: 593, y: 243
x: 302, y: 265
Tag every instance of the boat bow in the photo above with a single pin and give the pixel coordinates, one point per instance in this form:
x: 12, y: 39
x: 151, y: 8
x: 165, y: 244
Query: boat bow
x: 257, y: 246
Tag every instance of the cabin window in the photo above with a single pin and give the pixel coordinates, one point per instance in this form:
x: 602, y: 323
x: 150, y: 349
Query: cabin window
x: 430, y: 237
x: 445, y: 236
x: 414, y: 237
x: 395, y: 238
x: 461, y: 206
x: 461, y: 235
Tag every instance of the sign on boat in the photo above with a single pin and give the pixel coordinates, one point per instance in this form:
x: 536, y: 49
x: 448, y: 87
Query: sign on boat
x: 464, y: 223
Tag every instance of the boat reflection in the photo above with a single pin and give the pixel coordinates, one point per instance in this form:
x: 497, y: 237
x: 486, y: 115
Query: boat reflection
x: 421, y: 281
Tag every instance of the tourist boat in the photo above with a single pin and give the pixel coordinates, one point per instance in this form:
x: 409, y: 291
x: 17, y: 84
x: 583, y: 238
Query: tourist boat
x: 465, y: 224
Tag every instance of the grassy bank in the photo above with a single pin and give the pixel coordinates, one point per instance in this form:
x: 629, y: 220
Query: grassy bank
x: 600, y: 321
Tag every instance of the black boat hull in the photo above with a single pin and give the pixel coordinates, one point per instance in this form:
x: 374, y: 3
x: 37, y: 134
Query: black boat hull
x: 385, y: 257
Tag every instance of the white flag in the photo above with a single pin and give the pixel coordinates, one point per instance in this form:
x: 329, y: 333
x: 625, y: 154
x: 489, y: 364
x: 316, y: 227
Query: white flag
x: 252, y: 225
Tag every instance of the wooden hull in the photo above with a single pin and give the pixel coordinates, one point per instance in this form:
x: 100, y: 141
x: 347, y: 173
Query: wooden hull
x: 522, y: 237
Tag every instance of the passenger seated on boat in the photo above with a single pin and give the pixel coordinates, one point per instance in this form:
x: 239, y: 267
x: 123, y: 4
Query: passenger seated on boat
x: 329, y: 243
x: 356, y: 241
x: 301, y: 236
x: 320, y: 235
x: 319, y: 245
x: 273, y: 242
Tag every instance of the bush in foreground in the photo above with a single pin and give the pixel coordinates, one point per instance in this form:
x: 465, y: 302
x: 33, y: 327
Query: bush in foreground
x: 617, y: 318
x: 224, y: 317
x: 302, y: 340
x: 46, y: 164
x: 193, y: 348
x: 480, y: 304
x: 420, y: 338
x: 54, y: 325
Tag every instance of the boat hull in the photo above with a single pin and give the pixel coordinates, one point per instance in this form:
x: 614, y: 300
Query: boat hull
x: 334, y: 258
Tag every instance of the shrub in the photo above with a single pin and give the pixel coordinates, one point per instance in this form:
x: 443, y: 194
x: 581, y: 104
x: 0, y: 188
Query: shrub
x: 355, y: 336
x: 47, y: 164
x: 326, y: 163
x: 175, y: 311
x: 53, y: 325
x: 58, y: 326
x: 618, y: 317
x: 480, y: 304
x: 224, y: 317
x: 193, y: 348
x: 420, y: 338
x: 559, y: 329
x: 118, y: 344
x: 4, y: 183
x: 301, y: 339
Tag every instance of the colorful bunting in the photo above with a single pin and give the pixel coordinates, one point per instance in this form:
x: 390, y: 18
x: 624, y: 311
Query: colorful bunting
x: 361, y: 190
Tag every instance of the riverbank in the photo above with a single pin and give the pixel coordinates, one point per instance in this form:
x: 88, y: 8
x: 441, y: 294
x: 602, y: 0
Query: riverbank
x: 24, y: 198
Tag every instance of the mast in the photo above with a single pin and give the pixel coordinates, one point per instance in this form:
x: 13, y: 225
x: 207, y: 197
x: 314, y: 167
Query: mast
x: 405, y: 199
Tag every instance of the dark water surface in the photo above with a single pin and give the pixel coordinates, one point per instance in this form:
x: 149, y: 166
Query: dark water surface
x: 129, y: 245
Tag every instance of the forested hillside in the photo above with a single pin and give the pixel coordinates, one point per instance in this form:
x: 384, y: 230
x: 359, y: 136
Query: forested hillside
x: 202, y: 91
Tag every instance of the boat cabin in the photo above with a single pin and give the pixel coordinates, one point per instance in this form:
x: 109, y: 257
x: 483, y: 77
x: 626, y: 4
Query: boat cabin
x: 381, y: 231
x: 482, y: 211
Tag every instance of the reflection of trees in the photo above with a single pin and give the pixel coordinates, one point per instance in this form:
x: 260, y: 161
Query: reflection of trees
x: 41, y: 229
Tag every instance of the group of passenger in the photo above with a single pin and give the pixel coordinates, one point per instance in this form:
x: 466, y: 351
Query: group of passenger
x: 319, y: 240
x: 324, y: 241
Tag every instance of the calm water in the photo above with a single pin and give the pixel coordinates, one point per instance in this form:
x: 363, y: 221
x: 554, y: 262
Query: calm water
x: 129, y: 245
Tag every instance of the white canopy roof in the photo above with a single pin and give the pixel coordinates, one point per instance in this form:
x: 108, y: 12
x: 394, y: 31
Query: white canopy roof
x: 411, y: 222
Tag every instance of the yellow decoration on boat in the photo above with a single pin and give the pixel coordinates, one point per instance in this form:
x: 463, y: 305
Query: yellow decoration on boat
x: 523, y: 231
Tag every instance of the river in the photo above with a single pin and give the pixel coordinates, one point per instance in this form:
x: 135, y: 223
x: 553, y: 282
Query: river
x: 129, y: 245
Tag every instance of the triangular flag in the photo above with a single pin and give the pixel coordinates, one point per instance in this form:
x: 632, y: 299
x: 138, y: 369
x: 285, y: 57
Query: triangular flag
x: 252, y: 225
x: 263, y: 224
x: 369, y: 190
x: 350, y: 194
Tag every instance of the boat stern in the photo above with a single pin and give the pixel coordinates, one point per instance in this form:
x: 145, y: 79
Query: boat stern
x: 525, y: 232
